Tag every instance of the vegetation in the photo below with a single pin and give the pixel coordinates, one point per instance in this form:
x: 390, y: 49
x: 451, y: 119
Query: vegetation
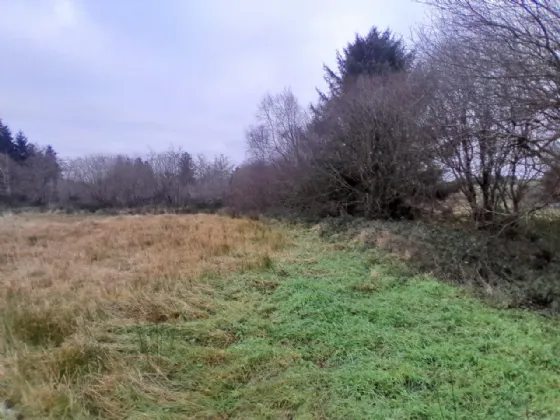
x: 439, y: 158
x: 464, y: 122
x: 518, y: 271
x: 470, y: 108
x: 72, y: 286
x: 208, y: 317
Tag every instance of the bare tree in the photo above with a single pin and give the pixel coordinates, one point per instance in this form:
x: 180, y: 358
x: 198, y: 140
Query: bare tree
x: 36, y: 179
x: 478, y: 141
x: 85, y: 180
x: 365, y: 155
x: 174, y: 174
x: 212, y: 178
x: 277, y: 135
x: 513, y: 45
x: 495, y: 112
x: 5, y: 175
x: 278, y: 151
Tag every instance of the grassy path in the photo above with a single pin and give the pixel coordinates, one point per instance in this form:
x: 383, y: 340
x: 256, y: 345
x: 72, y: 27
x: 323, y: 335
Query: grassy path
x: 326, y: 333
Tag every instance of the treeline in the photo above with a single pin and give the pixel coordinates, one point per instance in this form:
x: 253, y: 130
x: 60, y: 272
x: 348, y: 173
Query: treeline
x: 170, y: 179
x: 472, y: 108
x: 34, y: 176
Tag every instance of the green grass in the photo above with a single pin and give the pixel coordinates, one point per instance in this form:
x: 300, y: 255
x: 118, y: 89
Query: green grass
x: 331, y: 333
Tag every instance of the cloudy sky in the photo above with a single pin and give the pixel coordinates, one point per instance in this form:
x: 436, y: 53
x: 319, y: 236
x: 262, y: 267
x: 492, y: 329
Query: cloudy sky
x: 93, y: 76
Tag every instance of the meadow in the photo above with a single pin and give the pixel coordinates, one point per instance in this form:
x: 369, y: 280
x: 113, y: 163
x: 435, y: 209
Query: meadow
x: 210, y: 317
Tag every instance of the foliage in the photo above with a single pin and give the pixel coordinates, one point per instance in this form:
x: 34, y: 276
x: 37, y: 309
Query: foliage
x: 376, y: 54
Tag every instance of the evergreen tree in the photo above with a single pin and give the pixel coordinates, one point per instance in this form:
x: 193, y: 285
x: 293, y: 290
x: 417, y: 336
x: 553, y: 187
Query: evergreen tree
x: 51, y: 156
x: 22, y: 149
x: 378, y: 53
x: 6, y: 140
x: 186, y: 169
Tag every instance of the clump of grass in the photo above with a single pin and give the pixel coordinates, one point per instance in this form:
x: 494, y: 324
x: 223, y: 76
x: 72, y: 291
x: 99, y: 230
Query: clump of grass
x: 366, y: 288
x: 38, y: 325
x: 266, y: 262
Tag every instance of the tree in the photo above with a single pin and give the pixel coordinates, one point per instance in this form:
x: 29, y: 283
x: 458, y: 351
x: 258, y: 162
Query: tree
x: 278, y: 149
x: 376, y: 54
x: 496, y: 108
x: 277, y: 135
x: 513, y: 45
x: 478, y: 144
x: 22, y: 149
x: 186, y: 169
x: 6, y: 140
x: 373, y: 160
x: 171, y: 170
x: 212, y: 178
x: 6, y: 169
x: 35, y: 180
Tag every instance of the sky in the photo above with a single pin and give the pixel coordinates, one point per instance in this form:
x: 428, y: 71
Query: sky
x: 128, y: 76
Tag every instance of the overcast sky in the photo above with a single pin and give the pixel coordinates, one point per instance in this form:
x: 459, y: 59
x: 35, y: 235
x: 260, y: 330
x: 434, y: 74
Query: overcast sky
x: 93, y: 76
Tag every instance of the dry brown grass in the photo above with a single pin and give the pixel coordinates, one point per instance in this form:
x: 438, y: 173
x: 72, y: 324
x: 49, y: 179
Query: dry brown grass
x: 66, y: 281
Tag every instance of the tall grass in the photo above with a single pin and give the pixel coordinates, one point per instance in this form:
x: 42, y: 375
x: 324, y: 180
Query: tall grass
x: 68, y: 283
x: 203, y: 317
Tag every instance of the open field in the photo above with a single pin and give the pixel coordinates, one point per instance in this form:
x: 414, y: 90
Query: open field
x: 206, y: 317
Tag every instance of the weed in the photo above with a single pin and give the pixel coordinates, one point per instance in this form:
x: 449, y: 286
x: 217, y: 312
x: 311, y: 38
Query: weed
x: 366, y: 288
x: 39, y: 325
x: 266, y: 262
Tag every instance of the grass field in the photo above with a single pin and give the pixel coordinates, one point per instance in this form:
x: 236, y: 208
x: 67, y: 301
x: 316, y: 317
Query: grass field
x: 205, y: 317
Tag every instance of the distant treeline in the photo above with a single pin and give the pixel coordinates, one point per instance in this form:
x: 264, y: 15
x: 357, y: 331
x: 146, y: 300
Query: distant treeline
x: 35, y: 176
